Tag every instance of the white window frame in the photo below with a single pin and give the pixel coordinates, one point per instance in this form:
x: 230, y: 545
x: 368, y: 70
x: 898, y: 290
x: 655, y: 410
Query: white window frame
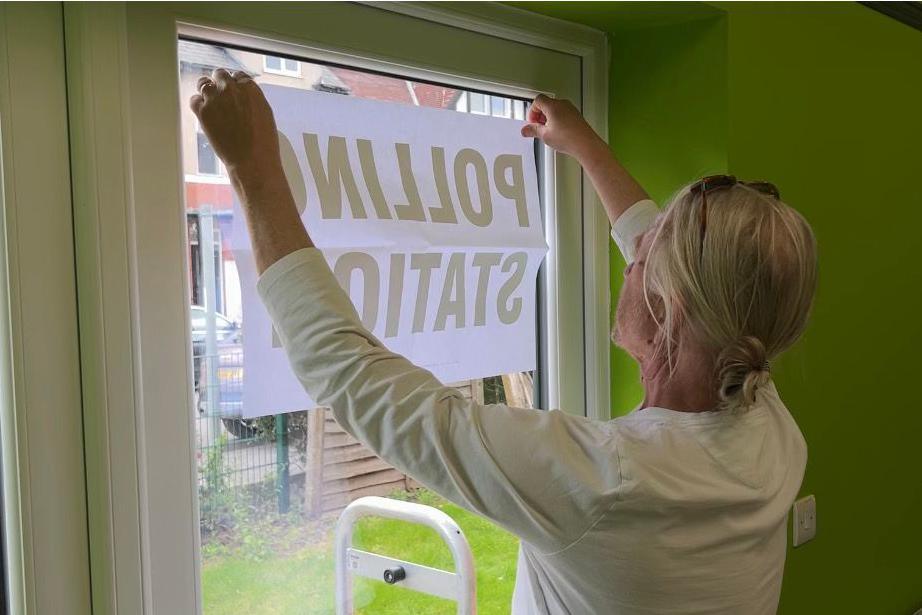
x: 200, y: 178
x: 281, y: 71
x: 160, y: 576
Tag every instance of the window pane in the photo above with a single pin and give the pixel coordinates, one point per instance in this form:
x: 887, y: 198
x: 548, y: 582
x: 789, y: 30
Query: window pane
x: 207, y: 159
x: 498, y: 106
x: 266, y: 517
x: 478, y: 102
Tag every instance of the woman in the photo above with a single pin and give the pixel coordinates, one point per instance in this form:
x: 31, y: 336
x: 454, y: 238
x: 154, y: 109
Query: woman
x: 678, y: 507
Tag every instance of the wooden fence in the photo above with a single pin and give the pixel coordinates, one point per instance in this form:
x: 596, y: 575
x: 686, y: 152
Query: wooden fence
x: 340, y: 469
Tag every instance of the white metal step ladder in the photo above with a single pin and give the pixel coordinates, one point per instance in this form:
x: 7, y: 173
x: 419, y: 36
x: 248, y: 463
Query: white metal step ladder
x: 460, y: 585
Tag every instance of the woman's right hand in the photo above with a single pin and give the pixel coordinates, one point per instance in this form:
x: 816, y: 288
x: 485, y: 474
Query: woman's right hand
x: 561, y: 126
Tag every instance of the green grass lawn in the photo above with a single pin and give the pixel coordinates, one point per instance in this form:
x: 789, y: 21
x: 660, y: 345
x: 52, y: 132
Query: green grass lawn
x: 293, y: 574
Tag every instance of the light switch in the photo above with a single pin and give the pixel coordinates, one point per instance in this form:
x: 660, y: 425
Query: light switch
x: 804, y: 520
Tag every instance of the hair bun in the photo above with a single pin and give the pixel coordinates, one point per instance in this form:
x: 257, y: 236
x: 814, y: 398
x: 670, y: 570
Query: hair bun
x: 742, y: 368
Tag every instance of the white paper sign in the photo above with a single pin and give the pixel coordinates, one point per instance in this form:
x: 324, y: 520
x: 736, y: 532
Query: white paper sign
x: 431, y: 222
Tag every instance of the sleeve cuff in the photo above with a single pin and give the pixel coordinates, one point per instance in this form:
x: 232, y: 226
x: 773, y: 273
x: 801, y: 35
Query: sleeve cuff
x: 631, y: 224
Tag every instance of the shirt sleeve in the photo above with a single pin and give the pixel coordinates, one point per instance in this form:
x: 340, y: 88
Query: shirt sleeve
x: 632, y: 224
x: 545, y: 476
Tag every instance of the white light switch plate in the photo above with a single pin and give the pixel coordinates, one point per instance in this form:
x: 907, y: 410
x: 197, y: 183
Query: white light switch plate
x: 804, y: 520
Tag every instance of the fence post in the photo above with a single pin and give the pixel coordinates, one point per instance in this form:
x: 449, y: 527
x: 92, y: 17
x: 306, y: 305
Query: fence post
x: 313, y: 472
x: 281, y: 461
x: 206, y: 240
x: 518, y: 388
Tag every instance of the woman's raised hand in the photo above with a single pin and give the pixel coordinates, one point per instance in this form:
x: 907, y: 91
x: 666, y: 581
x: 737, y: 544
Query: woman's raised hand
x: 238, y: 122
x: 239, y: 125
x: 561, y: 126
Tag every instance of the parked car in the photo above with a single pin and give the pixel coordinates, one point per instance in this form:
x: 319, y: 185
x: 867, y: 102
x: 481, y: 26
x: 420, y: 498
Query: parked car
x: 229, y: 366
x: 225, y: 328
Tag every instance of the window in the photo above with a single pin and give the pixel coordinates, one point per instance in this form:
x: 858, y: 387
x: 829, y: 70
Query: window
x: 179, y: 564
x: 252, y: 473
x: 282, y: 66
x: 499, y: 107
x: 486, y: 104
x: 477, y: 103
x: 208, y: 162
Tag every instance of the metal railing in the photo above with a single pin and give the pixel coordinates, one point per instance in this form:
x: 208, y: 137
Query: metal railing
x: 240, y: 461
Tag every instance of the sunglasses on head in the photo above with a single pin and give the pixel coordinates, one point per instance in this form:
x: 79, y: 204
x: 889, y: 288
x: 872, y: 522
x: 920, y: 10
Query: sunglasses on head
x: 716, y: 182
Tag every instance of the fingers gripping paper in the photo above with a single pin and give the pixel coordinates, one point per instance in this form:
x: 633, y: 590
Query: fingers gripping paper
x: 430, y: 221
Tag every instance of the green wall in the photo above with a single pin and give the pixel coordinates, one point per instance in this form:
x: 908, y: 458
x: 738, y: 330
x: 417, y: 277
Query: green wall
x: 668, y: 123
x: 825, y: 100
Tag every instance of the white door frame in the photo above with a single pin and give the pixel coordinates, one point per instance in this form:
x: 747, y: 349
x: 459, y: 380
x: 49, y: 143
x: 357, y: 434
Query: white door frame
x: 134, y: 491
x: 44, y: 502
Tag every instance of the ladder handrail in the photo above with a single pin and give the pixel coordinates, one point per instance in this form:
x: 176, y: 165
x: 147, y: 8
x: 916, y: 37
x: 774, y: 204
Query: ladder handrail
x: 410, y: 512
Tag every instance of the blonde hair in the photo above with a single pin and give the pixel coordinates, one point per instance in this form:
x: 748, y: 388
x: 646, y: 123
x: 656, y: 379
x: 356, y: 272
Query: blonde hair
x: 737, y: 278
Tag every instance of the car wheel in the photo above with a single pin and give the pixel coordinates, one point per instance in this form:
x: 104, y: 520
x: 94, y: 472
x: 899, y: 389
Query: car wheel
x: 241, y: 428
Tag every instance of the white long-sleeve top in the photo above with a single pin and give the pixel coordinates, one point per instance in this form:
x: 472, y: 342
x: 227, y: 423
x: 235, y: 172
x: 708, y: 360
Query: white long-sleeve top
x: 655, y: 512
